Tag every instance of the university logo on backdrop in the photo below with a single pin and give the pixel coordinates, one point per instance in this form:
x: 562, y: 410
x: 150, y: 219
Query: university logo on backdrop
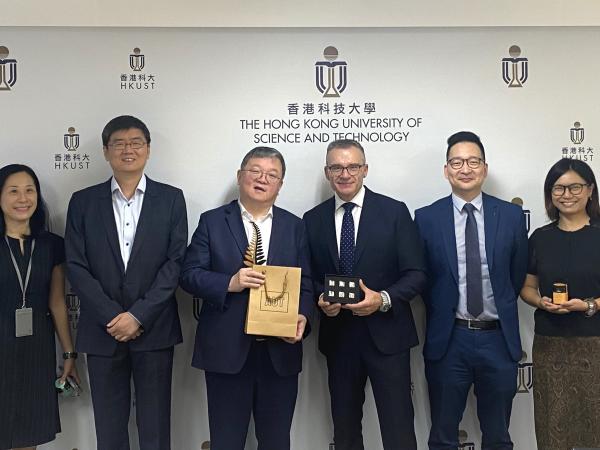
x: 8, y: 70
x: 328, y: 117
x: 71, y: 159
x: 464, y: 443
x: 331, y: 76
x: 525, y: 375
x: 73, y: 304
x: 137, y: 79
x: 577, y: 149
x: 515, y: 68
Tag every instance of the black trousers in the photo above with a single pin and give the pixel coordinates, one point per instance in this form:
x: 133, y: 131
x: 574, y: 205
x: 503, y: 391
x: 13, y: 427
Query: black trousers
x: 258, y: 390
x: 110, y: 383
x: 349, y: 367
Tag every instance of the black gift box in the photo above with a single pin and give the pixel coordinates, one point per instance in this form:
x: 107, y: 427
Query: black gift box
x: 341, y: 289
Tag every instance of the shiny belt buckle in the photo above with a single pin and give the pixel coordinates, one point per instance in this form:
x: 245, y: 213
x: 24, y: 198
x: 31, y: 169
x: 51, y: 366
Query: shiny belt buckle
x: 472, y: 327
x: 260, y: 339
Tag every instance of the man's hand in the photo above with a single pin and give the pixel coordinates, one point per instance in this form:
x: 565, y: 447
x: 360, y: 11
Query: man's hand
x: 300, y: 326
x: 330, y: 309
x: 245, y: 278
x: 124, y: 327
x: 369, y: 305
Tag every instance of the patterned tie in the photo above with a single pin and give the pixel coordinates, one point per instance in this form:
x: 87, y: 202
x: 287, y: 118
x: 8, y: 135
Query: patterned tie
x: 474, y: 285
x: 347, y: 240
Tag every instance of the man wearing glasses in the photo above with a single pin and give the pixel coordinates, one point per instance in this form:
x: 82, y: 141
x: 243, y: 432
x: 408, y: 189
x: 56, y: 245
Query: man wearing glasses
x: 125, y: 240
x: 362, y: 234
x: 247, y: 375
x: 476, y: 252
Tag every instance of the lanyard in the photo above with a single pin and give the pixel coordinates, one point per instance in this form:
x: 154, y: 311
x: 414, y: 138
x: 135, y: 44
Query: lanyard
x: 14, y: 261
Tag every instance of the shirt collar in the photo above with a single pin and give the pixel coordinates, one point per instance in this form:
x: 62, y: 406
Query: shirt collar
x: 358, y: 199
x: 114, y: 186
x: 246, y: 215
x: 459, y: 203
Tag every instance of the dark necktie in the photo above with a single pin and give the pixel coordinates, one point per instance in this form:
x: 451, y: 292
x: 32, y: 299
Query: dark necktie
x: 474, y: 285
x: 347, y: 240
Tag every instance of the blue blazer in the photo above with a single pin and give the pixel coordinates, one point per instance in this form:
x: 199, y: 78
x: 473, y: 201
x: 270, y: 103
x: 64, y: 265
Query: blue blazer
x: 388, y: 256
x: 214, y: 255
x: 147, y: 288
x: 506, y: 250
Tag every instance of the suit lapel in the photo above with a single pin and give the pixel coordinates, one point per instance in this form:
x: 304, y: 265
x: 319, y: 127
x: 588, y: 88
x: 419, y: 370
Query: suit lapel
x: 449, y: 236
x: 233, y: 218
x: 490, y: 221
x: 108, y: 219
x: 144, y: 224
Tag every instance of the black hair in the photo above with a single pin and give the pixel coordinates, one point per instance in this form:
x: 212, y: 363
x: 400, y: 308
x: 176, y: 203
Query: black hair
x: 39, y: 219
x: 584, y: 171
x: 124, y: 123
x: 465, y: 136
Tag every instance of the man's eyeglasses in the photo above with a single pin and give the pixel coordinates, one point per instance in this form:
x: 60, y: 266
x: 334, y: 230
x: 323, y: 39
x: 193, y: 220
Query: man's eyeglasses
x: 120, y: 145
x: 473, y: 163
x: 575, y: 189
x: 352, y: 169
x: 256, y: 174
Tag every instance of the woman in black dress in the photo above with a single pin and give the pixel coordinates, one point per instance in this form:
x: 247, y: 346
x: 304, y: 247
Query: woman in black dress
x: 566, y: 345
x: 28, y: 399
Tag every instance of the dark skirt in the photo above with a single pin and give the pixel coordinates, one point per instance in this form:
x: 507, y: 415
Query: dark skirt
x: 566, y: 392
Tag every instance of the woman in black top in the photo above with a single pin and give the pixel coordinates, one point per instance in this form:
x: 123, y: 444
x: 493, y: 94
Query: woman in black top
x: 566, y: 346
x: 28, y: 399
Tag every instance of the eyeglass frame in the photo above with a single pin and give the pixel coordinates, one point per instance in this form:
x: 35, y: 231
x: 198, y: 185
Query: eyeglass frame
x: 117, y: 145
x: 354, y: 167
x: 257, y: 174
x: 480, y: 162
x: 564, y: 188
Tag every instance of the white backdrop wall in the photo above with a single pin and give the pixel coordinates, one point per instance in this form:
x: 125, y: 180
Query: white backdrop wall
x: 308, y: 13
x: 208, y: 96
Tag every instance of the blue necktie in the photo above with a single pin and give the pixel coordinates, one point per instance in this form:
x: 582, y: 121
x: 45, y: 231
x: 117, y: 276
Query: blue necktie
x: 474, y: 285
x: 347, y: 240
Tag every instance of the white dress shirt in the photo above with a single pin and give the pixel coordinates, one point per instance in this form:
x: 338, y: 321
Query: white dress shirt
x: 127, y: 215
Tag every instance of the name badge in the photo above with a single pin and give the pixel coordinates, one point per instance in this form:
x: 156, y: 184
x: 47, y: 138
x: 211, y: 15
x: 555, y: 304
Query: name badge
x: 23, y: 322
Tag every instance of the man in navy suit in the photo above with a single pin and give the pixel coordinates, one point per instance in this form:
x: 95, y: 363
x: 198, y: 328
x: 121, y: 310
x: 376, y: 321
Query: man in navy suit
x: 476, y: 251
x: 125, y: 240
x: 247, y: 374
x: 366, y: 235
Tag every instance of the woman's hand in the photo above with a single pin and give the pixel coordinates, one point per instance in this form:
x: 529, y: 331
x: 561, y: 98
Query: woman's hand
x: 70, y: 369
x: 575, y: 304
x: 546, y: 304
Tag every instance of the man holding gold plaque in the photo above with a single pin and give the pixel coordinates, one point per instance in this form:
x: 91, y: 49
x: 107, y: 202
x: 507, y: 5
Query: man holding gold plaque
x: 249, y: 262
x: 358, y: 235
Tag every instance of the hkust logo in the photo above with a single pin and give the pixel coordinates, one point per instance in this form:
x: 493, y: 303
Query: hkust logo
x: 8, y: 70
x: 515, y: 68
x: 71, y: 140
x: 464, y: 443
x: 137, y: 80
x: 577, y: 149
x: 525, y: 375
x: 331, y: 75
x: 71, y: 159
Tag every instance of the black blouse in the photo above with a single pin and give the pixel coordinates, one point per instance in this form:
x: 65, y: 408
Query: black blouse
x: 571, y: 257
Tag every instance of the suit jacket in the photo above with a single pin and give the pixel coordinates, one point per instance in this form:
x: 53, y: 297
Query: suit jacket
x: 388, y: 256
x: 214, y: 255
x: 506, y: 250
x: 147, y: 288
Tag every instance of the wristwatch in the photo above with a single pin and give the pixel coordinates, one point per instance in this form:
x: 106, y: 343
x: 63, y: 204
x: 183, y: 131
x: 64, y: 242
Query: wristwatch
x: 386, y: 303
x: 70, y: 355
x: 592, y: 306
